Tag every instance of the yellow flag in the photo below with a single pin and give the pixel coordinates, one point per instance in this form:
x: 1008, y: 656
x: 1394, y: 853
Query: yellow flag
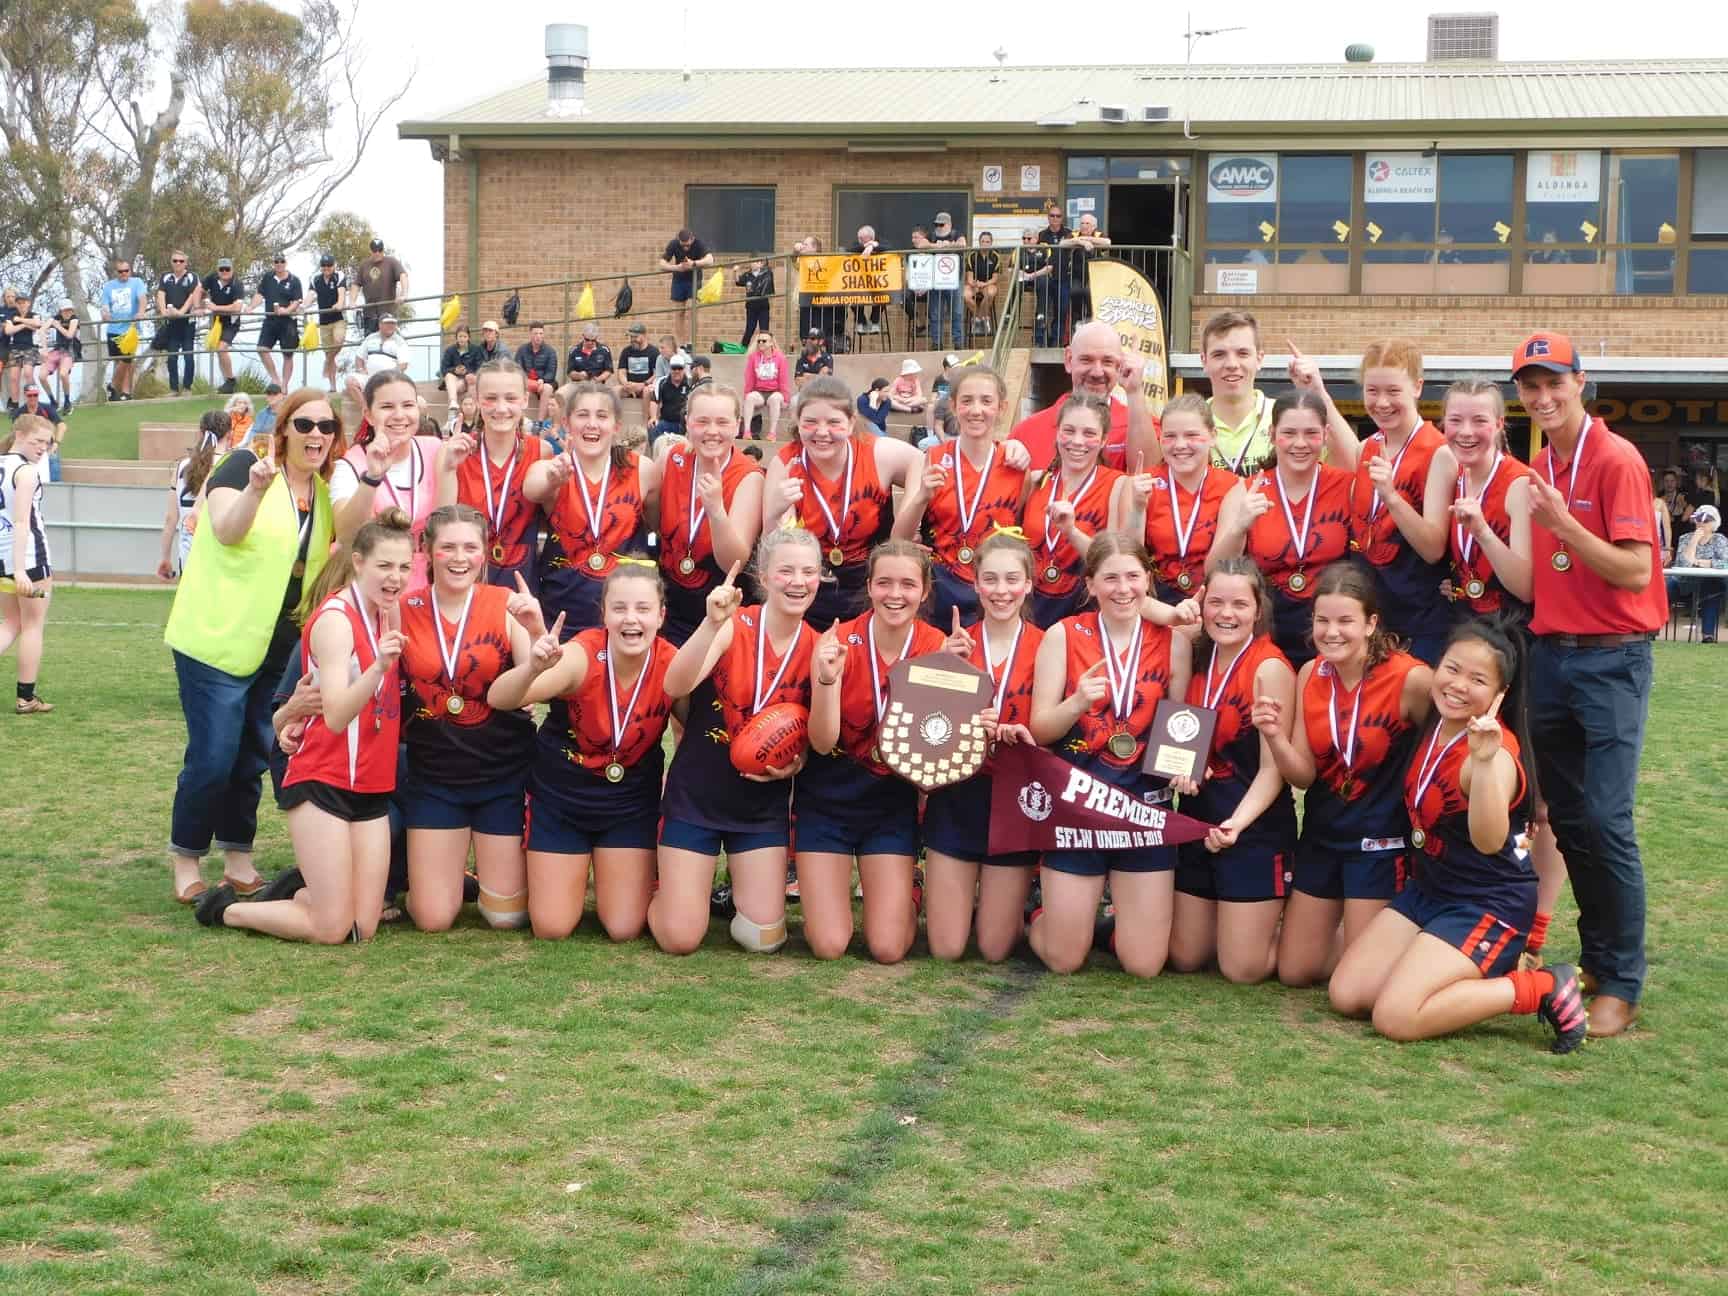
x: 1122, y: 298
x: 309, y: 336
x: 451, y: 313
x: 585, y: 303
x: 127, y: 343
x: 215, y: 338
x: 712, y: 288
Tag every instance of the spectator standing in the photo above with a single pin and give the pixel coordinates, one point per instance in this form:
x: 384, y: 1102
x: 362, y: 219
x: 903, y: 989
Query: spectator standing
x: 946, y: 304
x: 383, y: 283
x: 459, y: 365
x: 21, y: 330
x: 380, y: 352
x: 1082, y: 246
x: 911, y: 299
x: 8, y: 313
x: 335, y: 295
x: 867, y: 245
x: 767, y: 386
x: 684, y: 256
x: 809, y: 317
x: 537, y: 360
x: 177, y: 298
x: 124, y: 303
x: 874, y: 404
x: 1036, y: 271
x: 241, y: 416
x: 590, y: 359
x: 1052, y: 237
x: 813, y: 361
x: 982, y: 267
x: 225, y: 302
x: 670, y: 395
x: 1095, y: 365
x: 65, y: 349
x: 635, y: 372
x: 757, y: 281
x: 281, y: 295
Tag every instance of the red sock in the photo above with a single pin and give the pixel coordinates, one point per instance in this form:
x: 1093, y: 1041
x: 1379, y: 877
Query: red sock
x: 1033, y: 917
x: 1528, y: 989
x: 1538, y: 933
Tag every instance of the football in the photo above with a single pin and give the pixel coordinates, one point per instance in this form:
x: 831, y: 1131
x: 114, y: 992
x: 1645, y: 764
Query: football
x: 775, y: 736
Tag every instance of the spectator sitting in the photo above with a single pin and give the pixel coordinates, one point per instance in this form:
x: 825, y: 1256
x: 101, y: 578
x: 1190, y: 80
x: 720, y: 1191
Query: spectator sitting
x: 944, y: 381
x: 670, y: 395
x: 757, y: 281
x: 684, y: 256
x: 635, y: 372
x: 1035, y: 269
x: 265, y: 424
x: 1703, y: 546
x: 464, y: 416
x: 379, y: 353
x: 907, y: 393
x: 912, y: 300
x: 21, y: 330
x: 550, y: 423
x: 65, y: 349
x: 701, y: 372
x: 767, y: 386
x: 944, y: 426
x: 873, y: 405
x: 867, y: 246
x: 239, y: 411
x: 590, y: 359
x: 459, y: 365
x: 537, y: 360
x: 982, y: 268
x: 488, y: 348
x: 813, y: 360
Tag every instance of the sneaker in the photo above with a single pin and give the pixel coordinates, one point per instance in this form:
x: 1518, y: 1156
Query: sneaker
x: 214, y: 904
x: 282, y: 886
x: 228, y: 388
x: 720, y: 903
x: 1563, y: 1009
x: 33, y: 706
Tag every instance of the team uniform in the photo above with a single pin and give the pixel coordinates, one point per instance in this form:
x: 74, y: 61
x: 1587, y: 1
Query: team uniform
x: 231, y: 293
x: 1353, y: 821
x: 1109, y: 741
x: 1258, y: 866
x: 1410, y: 602
x: 512, y: 519
x: 588, y: 527
x: 687, y: 541
x: 850, y: 516
x: 1058, y: 570
x: 1476, y: 590
x: 410, y: 485
x: 596, y: 783
x: 1480, y: 904
x: 279, y: 330
x: 959, y: 518
x: 1180, y: 527
x: 348, y: 773
x: 186, y: 513
x: 467, y: 764
x: 37, y: 560
x: 708, y: 805
x: 957, y: 817
x: 847, y: 801
x: 1292, y: 542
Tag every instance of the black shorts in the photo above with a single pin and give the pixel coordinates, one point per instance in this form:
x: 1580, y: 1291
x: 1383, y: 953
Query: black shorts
x: 114, y: 351
x: 41, y: 573
x: 279, y: 330
x: 369, y: 317
x: 340, y: 803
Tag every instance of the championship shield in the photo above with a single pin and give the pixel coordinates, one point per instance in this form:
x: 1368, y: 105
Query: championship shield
x: 930, y: 734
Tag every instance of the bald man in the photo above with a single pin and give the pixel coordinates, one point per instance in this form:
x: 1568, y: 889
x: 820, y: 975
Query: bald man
x: 1096, y: 365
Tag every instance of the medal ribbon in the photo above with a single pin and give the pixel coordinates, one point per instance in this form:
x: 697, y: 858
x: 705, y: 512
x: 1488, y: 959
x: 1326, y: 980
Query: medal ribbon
x: 1428, y: 768
x: 413, y: 486
x: 619, y: 725
x: 822, y: 496
x: 1374, y: 501
x: 1183, y: 533
x: 1297, y: 542
x: 1056, y: 497
x: 1212, y: 695
x: 594, y: 508
x: 1120, y: 670
x: 1577, y: 458
x: 1007, y: 662
x: 1347, y: 748
x: 876, y: 692
x: 372, y: 643
x: 305, y: 523
x: 698, y: 510
x: 967, y: 513
x: 1466, y: 539
x: 449, y: 652
x: 760, y: 696
x: 495, y: 513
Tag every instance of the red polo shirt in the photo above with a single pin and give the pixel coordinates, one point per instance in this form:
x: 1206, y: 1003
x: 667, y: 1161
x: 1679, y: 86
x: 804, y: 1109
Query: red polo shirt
x: 1612, y: 498
x: 1037, y: 432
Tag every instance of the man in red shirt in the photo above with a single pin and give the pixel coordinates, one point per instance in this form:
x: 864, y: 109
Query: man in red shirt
x: 1599, y: 600
x: 1095, y: 364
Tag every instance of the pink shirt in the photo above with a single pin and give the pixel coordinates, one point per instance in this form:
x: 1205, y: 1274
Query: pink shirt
x: 768, y: 373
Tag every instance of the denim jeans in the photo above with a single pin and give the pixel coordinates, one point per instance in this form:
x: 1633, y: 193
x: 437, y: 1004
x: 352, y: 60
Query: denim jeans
x: 1709, y: 593
x: 228, y: 741
x: 1587, y: 712
x: 946, y: 308
x: 176, y: 339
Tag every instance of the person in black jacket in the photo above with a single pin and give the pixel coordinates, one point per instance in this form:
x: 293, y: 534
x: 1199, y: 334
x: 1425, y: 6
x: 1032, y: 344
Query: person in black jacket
x: 461, y: 361
x: 757, y: 281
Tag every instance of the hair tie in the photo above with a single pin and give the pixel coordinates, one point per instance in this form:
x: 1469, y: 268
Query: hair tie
x: 1012, y: 532
x: 633, y: 561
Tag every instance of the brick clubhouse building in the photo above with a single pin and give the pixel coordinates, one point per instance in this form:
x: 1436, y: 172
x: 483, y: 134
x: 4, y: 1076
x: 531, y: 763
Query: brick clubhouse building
x: 1462, y: 203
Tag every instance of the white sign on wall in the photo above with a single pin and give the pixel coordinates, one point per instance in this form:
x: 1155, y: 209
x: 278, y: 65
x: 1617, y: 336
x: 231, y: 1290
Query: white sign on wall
x: 1400, y: 178
x: 992, y: 180
x: 1234, y: 279
x: 1563, y: 176
x: 946, y: 271
x: 1242, y: 178
x: 919, y: 271
x: 1031, y: 179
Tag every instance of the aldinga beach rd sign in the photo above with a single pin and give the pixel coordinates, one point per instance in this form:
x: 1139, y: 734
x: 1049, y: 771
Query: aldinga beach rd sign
x: 1242, y: 178
x: 845, y: 280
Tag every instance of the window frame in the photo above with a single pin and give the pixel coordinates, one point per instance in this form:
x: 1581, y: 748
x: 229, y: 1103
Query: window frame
x: 717, y: 246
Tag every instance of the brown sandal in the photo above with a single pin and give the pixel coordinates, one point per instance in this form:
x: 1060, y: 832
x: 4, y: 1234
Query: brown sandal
x: 193, y: 890
x: 245, y: 889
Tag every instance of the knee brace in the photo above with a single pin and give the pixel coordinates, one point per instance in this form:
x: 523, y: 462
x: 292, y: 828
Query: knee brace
x: 504, y: 911
x: 756, y: 938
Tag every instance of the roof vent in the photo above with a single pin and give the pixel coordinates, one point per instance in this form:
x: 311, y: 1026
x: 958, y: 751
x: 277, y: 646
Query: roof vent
x: 1155, y: 113
x: 566, y: 69
x: 1463, y: 36
x: 1112, y: 113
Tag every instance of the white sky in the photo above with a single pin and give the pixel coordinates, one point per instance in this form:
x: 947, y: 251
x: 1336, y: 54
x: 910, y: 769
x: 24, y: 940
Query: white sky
x: 468, y: 49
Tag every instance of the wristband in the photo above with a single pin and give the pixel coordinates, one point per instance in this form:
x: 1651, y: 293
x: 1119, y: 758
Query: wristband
x: 373, y: 482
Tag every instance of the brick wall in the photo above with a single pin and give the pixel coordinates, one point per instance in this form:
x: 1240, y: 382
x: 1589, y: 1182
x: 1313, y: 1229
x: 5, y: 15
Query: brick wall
x: 1615, y: 326
x: 549, y: 214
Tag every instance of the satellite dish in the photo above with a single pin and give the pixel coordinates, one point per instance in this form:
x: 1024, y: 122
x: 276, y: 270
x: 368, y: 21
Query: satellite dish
x: 1359, y: 53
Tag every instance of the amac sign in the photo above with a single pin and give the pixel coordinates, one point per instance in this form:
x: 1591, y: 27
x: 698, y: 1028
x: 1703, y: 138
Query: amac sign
x: 1242, y: 178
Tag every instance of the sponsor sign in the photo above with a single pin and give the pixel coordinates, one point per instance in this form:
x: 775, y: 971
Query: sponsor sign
x: 1400, y: 178
x: 1242, y: 178
x: 837, y: 280
x: 1122, y: 298
x: 1235, y: 279
x: 1573, y: 175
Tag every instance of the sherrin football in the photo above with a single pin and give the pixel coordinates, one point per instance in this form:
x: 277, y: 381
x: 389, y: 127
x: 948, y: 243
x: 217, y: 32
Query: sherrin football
x: 775, y: 736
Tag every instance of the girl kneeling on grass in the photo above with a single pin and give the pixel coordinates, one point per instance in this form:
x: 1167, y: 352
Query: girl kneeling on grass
x: 1441, y: 957
x: 339, y: 780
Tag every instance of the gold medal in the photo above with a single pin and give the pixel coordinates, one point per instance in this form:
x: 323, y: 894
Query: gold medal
x: 1122, y: 745
x: 1052, y: 573
x: 596, y: 561
x: 836, y: 556
x: 615, y: 772
x: 1185, y: 581
x: 965, y: 555
x: 686, y: 565
x: 876, y: 755
x: 454, y: 704
x: 1346, y: 788
x: 1561, y: 561
x: 299, y: 570
x: 1475, y: 589
x: 1298, y: 582
x: 497, y: 553
x: 1418, y: 838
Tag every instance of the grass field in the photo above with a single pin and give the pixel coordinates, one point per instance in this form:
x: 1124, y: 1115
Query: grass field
x: 194, y: 1112
x: 110, y: 431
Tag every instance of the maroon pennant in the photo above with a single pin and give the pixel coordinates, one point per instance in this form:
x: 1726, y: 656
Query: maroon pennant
x: 1039, y: 802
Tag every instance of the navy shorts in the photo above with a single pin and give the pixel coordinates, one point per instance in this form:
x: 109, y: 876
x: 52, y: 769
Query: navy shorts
x: 340, y: 803
x: 555, y: 832
x: 494, y: 809
x: 683, y: 286
x: 817, y: 833
x: 957, y: 824
x: 1248, y: 871
x: 681, y: 834
x: 1427, y: 648
x: 1489, y: 941
x: 1350, y: 874
x: 279, y: 331
x: 947, y: 593
x: 1101, y: 863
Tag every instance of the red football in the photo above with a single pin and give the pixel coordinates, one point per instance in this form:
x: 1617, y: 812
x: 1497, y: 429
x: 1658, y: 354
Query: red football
x: 776, y: 735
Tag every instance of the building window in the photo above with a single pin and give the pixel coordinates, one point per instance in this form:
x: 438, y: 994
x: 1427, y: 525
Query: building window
x: 731, y: 218
x: 1644, y: 211
x: 1563, y: 220
x: 893, y: 212
x: 1277, y: 223
x: 1437, y: 222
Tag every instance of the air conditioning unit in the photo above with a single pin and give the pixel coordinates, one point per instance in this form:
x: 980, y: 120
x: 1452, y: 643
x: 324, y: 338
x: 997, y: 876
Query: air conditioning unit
x: 1112, y: 113
x: 1155, y: 113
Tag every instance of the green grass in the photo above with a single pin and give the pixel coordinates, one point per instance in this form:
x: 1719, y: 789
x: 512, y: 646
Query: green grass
x: 192, y: 1112
x: 110, y: 431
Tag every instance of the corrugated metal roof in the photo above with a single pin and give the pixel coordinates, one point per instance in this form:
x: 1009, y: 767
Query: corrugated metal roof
x: 1657, y: 94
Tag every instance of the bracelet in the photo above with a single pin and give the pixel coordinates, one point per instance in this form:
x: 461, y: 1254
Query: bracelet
x: 373, y: 482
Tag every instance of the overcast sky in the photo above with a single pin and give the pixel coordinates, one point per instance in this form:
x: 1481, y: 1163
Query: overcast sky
x: 468, y: 49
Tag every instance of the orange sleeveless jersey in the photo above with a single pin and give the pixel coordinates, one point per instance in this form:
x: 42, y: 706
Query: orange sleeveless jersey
x: 858, y: 721
x: 1152, y: 678
x: 620, y: 519
x: 1379, y: 540
x: 1017, y: 697
x: 1269, y: 541
x: 588, y: 742
x: 484, y: 654
x: 1235, y: 735
x: 1494, y: 512
x: 735, y: 673
x: 512, y: 538
x: 867, y: 519
x: 1161, y: 525
x: 998, y: 505
x: 1379, y: 727
x: 675, y: 513
x: 1091, y: 515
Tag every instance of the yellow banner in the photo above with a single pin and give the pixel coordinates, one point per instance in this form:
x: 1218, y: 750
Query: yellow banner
x: 1122, y: 298
x: 847, y: 278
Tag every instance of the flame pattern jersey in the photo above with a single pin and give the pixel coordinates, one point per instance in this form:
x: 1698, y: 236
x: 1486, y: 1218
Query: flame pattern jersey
x: 1494, y: 596
x: 521, y: 516
x: 1091, y: 515
x: 1235, y: 759
x: 1361, y: 800
x: 570, y: 543
x: 1409, y: 585
x: 1162, y: 540
x: 1090, y: 736
x: 866, y: 519
x: 1448, y: 866
x: 580, y: 723
x: 998, y: 495
x: 675, y: 518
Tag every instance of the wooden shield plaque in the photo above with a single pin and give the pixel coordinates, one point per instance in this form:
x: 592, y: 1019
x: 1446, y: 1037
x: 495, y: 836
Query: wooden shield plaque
x: 930, y: 732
